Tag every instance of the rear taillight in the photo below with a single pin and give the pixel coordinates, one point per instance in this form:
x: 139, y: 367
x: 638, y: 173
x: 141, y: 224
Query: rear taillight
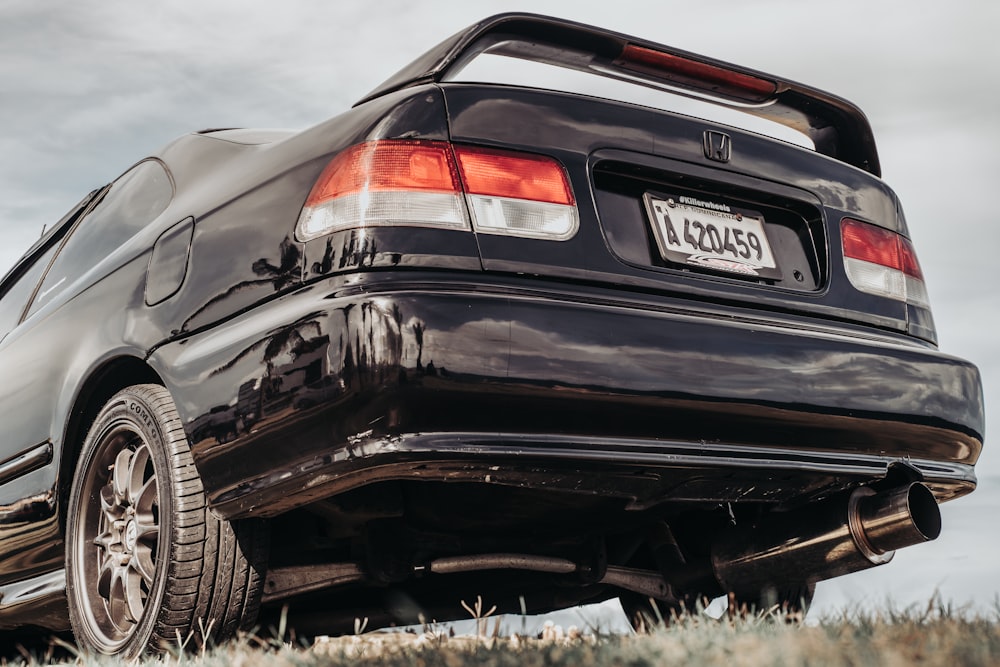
x: 879, y: 261
x: 431, y: 183
x: 386, y: 183
x: 516, y: 194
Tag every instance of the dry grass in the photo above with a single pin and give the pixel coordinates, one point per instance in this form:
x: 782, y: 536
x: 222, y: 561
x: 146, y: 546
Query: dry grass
x: 937, y: 635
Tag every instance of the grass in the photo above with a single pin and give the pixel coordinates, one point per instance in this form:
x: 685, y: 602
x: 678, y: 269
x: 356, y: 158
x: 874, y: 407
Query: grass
x: 935, y: 635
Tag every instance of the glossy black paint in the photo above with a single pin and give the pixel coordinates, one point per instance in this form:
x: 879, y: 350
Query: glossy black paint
x: 656, y: 151
x: 308, y: 373
x: 244, y: 190
x: 370, y: 368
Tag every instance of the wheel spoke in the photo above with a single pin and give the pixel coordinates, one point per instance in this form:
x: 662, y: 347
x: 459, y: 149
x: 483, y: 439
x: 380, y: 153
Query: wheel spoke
x: 110, y: 505
x: 137, y: 472
x: 146, y: 498
x: 118, y: 607
x: 142, y: 562
x: 105, y: 578
x: 105, y: 540
x: 147, y: 532
x: 135, y: 596
x: 120, y: 477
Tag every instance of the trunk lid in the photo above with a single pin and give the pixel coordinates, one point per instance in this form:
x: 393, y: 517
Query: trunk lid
x: 625, y: 162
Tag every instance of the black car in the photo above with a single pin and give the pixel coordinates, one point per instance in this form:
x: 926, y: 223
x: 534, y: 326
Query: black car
x: 475, y: 339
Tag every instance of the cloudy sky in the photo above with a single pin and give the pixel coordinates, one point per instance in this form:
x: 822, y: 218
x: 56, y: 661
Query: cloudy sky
x: 89, y: 86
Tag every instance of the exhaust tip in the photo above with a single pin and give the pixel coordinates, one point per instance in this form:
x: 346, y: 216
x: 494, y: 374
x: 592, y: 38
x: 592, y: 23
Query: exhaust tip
x: 900, y: 518
x: 925, y: 512
x: 852, y: 531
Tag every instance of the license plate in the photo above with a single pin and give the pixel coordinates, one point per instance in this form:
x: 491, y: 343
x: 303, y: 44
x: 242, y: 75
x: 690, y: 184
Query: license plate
x: 712, y: 235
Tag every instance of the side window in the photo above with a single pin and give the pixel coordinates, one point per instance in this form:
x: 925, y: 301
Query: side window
x: 16, y: 296
x: 134, y: 200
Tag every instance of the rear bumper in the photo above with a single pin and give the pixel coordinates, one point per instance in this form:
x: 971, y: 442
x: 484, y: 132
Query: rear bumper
x: 337, y: 386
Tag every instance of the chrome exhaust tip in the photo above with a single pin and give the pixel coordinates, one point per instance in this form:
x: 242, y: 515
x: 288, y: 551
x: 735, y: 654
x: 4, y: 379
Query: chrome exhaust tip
x: 849, y: 533
x: 883, y: 522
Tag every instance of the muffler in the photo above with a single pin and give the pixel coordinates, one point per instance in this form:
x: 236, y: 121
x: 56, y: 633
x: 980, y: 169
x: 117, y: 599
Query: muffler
x: 846, y: 534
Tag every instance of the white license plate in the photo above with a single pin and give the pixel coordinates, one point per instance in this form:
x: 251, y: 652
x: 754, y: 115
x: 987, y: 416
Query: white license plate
x: 712, y: 235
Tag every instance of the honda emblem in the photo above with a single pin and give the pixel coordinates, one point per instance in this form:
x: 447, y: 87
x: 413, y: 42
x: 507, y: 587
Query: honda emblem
x: 718, y: 146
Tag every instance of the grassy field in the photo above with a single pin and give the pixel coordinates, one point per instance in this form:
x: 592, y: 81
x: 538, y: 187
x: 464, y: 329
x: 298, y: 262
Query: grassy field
x: 937, y: 635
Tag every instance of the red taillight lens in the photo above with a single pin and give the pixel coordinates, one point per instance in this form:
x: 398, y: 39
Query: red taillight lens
x: 879, y: 261
x: 515, y: 176
x: 870, y: 243
x: 696, y: 74
x: 908, y: 258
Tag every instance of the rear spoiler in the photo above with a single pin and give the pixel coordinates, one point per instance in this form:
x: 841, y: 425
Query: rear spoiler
x: 837, y: 127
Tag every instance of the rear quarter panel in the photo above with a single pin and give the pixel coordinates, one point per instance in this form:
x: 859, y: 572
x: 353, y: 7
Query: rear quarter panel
x: 45, y: 362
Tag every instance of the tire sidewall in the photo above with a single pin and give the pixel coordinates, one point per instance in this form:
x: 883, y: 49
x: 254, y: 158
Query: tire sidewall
x: 130, y: 408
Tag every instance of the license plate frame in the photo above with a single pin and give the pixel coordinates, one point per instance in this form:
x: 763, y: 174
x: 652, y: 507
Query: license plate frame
x: 712, y: 235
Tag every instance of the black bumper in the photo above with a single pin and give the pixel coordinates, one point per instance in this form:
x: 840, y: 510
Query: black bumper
x: 337, y: 386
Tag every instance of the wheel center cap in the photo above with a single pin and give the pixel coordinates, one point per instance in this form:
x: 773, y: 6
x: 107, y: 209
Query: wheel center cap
x: 131, y: 534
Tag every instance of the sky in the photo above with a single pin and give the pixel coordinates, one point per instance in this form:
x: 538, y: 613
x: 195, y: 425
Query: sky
x: 88, y: 87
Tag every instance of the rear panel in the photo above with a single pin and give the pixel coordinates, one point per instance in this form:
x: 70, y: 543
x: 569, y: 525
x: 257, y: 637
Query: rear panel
x: 626, y: 163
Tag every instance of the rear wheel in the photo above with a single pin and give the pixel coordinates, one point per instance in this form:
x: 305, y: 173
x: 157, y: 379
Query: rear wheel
x: 148, y: 564
x: 790, y: 603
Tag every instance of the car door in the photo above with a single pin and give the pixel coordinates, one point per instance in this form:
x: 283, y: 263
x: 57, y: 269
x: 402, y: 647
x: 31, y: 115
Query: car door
x: 27, y: 503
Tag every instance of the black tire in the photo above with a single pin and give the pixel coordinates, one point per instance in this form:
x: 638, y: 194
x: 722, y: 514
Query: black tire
x: 790, y: 603
x: 148, y: 566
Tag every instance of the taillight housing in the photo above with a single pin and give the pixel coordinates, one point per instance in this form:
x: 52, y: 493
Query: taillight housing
x: 385, y: 183
x: 880, y: 261
x: 517, y: 194
x: 417, y: 183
